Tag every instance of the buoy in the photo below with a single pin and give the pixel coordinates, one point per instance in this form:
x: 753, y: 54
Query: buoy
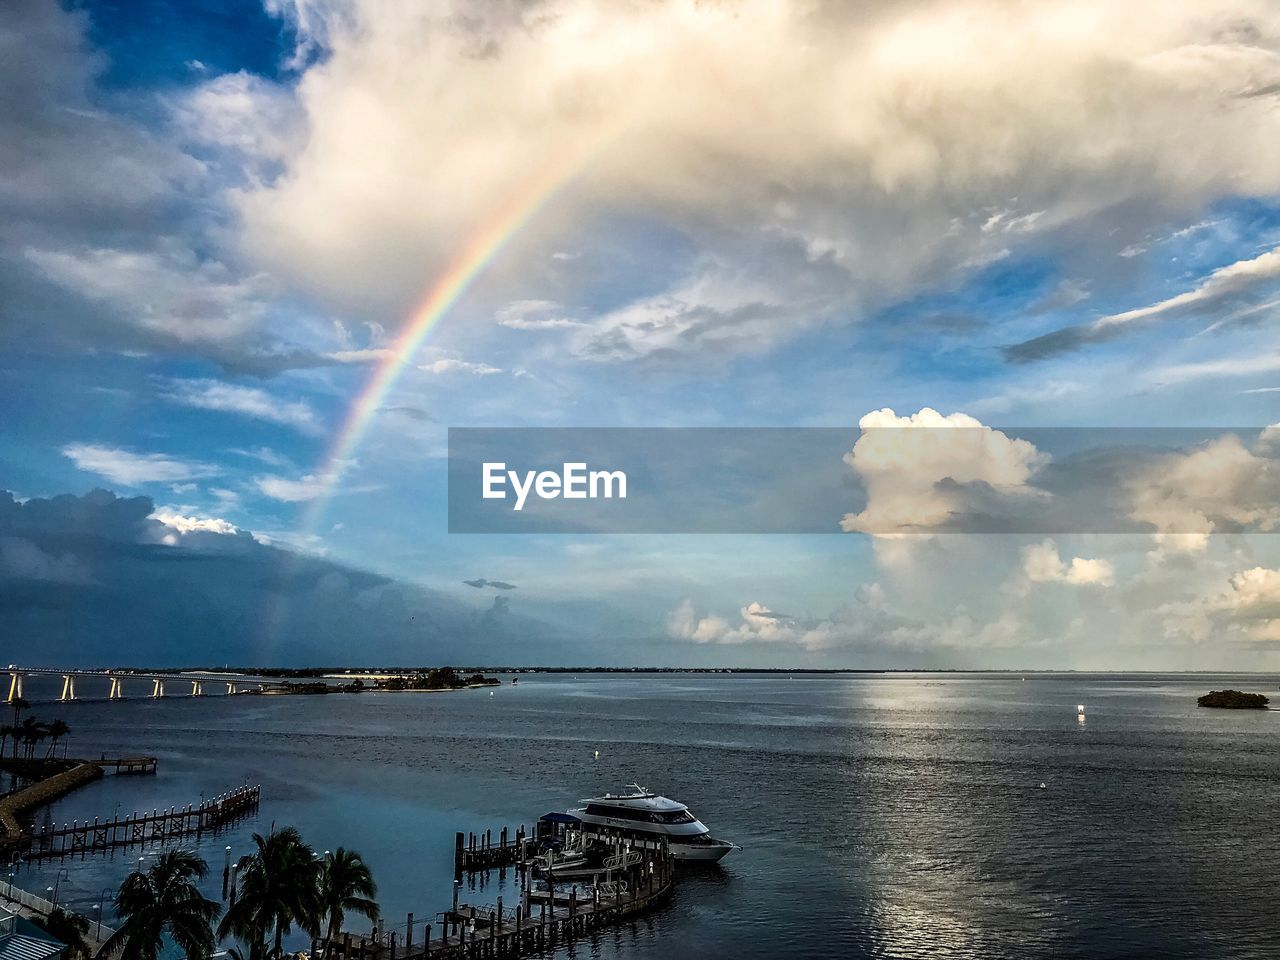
x: 1042, y: 785
x: 491, y: 693
x: 597, y: 754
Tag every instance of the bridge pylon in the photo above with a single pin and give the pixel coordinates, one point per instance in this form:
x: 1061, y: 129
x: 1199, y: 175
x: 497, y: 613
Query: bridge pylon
x: 15, y: 686
x: 68, y: 687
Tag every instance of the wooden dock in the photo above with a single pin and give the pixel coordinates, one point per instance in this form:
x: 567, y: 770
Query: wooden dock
x: 538, y: 922
x: 125, y: 766
x: 143, y: 828
x: 474, y: 852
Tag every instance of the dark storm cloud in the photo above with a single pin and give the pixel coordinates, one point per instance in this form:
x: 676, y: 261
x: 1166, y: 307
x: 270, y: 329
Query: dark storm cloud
x: 83, y: 578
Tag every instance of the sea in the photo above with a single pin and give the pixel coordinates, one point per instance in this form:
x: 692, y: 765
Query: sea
x: 897, y: 815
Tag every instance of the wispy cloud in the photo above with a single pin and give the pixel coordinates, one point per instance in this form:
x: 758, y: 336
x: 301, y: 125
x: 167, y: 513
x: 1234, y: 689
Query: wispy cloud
x: 534, y: 315
x: 245, y: 401
x: 129, y: 468
x: 288, y: 490
x: 454, y: 365
x: 1222, y: 287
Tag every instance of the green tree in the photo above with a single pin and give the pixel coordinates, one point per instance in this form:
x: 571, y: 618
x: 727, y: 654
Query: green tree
x: 164, y: 900
x: 346, y: 886
x: 278, y: 889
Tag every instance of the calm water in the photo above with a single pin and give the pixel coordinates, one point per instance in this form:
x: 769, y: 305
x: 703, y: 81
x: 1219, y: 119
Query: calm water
x: 882, y: 816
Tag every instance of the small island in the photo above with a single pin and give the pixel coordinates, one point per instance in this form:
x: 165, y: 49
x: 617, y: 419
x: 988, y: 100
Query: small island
x: 1233, y: 700
x: 442, y: 678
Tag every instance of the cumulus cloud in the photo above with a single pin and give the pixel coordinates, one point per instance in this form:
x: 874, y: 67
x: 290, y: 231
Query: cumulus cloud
x: 1249, y: 609
x: 861, y: 623
x: 246, y: 401
x: 183, y: 524
x: 916, y: 468
x: 1223, y: 486
x: 920, y: 121
x: 130, y: 468
x: 1041, y: 563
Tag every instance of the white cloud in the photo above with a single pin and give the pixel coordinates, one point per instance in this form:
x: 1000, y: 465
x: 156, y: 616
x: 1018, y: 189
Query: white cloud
x: 170, y: 291
x: 1248, y: 609
x: 758, y: 624
x: 242, y: 112
x: 246, y: 401
x: 184, y: 524
x: 1224, y: 282
x: 910, y: 467
x: 454, y: 365
x: 1041, y: 563
x: 921, y: 122
x: 288, y: 490
x: 130, y: 469
x: 1222, y: 485
x: 1244, y: 280
x: 534, y: 315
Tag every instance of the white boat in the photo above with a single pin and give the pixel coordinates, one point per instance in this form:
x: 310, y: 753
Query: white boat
x: 643, y: 813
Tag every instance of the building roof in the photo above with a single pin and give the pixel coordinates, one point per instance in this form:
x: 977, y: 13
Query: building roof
x: 20, y: 939
x: 20, y: 946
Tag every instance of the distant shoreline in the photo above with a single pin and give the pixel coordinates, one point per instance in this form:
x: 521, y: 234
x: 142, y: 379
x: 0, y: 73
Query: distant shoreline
x: 385, y: 672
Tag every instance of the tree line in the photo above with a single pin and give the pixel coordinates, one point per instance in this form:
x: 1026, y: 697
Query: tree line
x: 28, y: 732
x: 282, y: 885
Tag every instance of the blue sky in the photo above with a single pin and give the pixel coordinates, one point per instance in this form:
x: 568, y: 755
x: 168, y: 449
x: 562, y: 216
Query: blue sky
x: 217, y: 217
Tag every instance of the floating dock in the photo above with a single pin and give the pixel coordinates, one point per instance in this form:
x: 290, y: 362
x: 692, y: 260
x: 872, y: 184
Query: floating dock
x: 540, y: 919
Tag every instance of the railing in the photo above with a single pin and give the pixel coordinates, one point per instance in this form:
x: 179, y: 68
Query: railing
x: 45, y: 907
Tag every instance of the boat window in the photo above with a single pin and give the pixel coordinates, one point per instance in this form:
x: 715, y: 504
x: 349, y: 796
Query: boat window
x: 619, y: 813
x: 674, y: 816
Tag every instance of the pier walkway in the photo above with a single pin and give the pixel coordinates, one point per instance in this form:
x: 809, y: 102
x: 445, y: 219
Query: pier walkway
x: 142, y: 828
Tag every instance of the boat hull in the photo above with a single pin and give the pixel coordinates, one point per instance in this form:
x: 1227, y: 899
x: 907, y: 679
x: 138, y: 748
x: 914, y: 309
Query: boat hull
x: 699, y: 852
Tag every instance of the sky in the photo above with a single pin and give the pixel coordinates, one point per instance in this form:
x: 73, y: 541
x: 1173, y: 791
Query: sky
x: 258, y: 256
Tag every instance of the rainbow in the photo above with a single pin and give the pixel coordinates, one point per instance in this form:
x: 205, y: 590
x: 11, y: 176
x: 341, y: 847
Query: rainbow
x: 460, y: 273
x: 484, y: 244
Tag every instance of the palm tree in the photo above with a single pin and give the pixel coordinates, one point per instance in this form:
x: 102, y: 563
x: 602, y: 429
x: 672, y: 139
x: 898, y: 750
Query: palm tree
x: 6, y: 731
x: 19, y: 704
x: 57, y: 730
x: 32, y: 732
x: 70, y: 928
x: 346, y: 885
x: 279, y: 887
x: 165, y: 899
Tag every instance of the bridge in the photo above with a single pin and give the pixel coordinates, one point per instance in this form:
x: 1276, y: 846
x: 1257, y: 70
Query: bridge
x: 154, y: 684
